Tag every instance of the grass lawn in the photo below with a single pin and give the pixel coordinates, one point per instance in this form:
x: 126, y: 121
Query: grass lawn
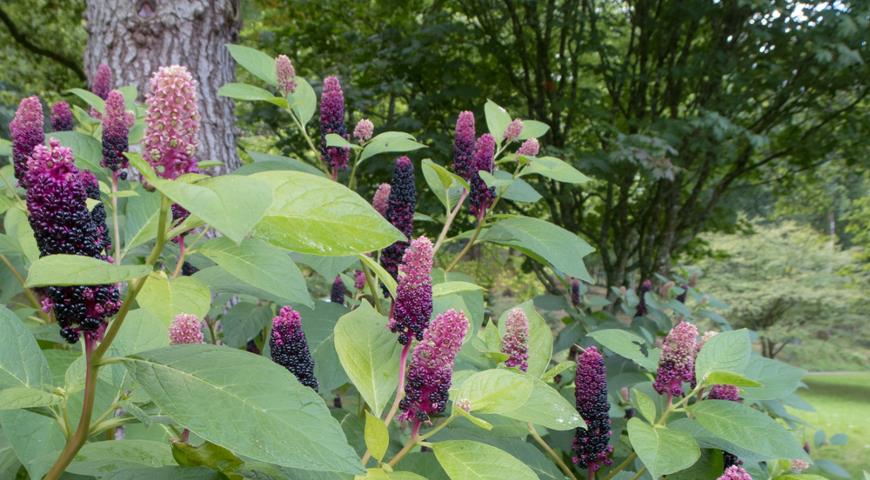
x: 842, y: 403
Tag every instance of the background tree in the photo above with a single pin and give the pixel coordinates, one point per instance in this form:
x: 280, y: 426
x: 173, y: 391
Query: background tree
x: 135, y: 38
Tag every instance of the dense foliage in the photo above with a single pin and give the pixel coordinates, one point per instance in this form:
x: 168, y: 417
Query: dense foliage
x: 160, y: 322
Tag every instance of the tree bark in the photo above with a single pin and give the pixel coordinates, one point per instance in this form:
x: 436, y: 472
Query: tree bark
x: 135, y: 38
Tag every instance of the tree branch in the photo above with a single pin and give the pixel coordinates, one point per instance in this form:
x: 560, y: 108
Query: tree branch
x: 22, y: 40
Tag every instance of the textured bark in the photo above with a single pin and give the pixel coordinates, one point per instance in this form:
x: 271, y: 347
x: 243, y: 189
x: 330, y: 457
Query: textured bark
x: 135, y: 38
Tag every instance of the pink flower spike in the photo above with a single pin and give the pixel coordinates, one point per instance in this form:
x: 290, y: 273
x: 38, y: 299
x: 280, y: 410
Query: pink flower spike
x: 513, y: 130
x: 735, y: 472
x: 286, y: 75
x: 186, y: 329
x: 516, y: 340
x: 677, y: 362
x: 172, y: 122
x: 530, y: 148
x: 413, y: 305
x: 363, y: 130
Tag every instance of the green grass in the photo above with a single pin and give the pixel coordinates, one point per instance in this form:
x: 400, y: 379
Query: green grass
x: 842, y: 403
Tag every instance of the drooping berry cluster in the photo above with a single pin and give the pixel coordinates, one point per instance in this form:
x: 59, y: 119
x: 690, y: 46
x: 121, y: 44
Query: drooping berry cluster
x: 332, y: 121
x: 285, y: 74
x: 98, y: 212
x: 575, y: 292
x: 336, y: 294
x: 413, y: 305
x: 735, y: 472
x: 515, y: 343
x: 645, y: 286
x: 172, y: 122
x: 592, y: 447
x: 482, y: 195
x: 186, y: 328
x: 289, y: 347
x: 677, y: 362
x: 61, y: 117
x: 57, y: 196
x: 400, y: 212
x: 115, y: 131
x: 27, y: 131
x: 431, y: 371
x: 463, y: 145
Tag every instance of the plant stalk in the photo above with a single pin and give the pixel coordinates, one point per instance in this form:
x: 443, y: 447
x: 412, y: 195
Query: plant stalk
x: 451, y: 216
x: 467, y: 246
x: 555, y: 456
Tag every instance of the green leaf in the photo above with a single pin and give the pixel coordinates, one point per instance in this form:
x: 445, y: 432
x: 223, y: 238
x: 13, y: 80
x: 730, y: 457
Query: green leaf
x: 625, y: 344
x: 66, y: 270
x: 726, y: 352
x: 166, y: 473
x: 466, y: 460
x: 778, y: 379
x: 369, y: 353
x: 449, y: 288
x: 662, y: 451
x: 265, y: 162
x: 479, y: 422
x: 5, y: 148
x: 446, y: 185
x: 336, y: 140
x: 377, y: 436
x: 243, y: 91
x: 258, y: 63
x: 560, y: 367
x: 390, y: 142
x: 35, y: 438
x: 495, y: 391
x: 533, y: 129
x: 259, y: 264
x: 544, y: 242
x: 140, y: 219
x: 497, y: 119
x: 232, y: 204
x: 540, y: 338
x: 243, y: 322
x: 26, y: 397
x: 268, y: 417
x: 747, y: 428
x: 304, y: 101
x: 22, y: 363
x: 717, y: 377
x: 382, y: 275
x: 17, y: 227
x: 315, y: 215
x: 206, y: 454
x: 319, y: 327
x: 90, y: 98
x: 166, y: 298
x: 552, y: 167
x: 100, y: 458
x: 644, y: 405
x: 548, y: 408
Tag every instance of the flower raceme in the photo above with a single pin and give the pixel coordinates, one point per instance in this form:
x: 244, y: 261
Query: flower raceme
x: 530, y: 148
x: 482, y: 195
x: 363, y: 130
x: 463, y: 145
x: 645, y: 286
x: 400, y: 212
x: 290, y: 348
x: 336, y: 294
x: 186, y: 328
x: 57, y: 195
x: 381, y: 199
x: 285, y: 74
x: 431, y: 371
x: 513, y: 130
x: 27, y: 131
x: 61, y: 118
x: 413, y: 305
x: 677, y: 362
x: 515, y: 343
x: 575, y: 292
x: 102, y: 82
x: 332, y: 121
x: 172, y: 122
x: 115, y: 132
x: 735, y: 472
x: 359, y: 280
x: 592, y: 444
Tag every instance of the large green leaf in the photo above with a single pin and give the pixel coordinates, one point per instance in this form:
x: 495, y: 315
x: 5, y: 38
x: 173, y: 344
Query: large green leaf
x: 390, y: 142
x: 544, y: 242
x: 377, y: 436
x: 497, y: 119
x: 21, y: 361
x: 304, y: 101
x: 662, y: 450
x: 140, y: 218
x: 315, y: 215
x: 369, y: 353
x: 778, y: 379
x: 495, y: 391
x: 446, y: 185
x: 258, y: 63
x: 747, y: 428
x: 559, y: 170
x: 626, y: 344
x: 166, y: 298
x: 727, y: 352
x: 259, y: 264
x: 540, y: 338
x: 466, y: 460
x: 264, y: 162
x: 14, y: 398
x: 268, y: 416
x: 66, y: 270
x: 36, y: 439
x: 319, y: 327
x: 548, y: 408
x: 166, y: 473
x: 100, y: 458
x: 18, y: 228
x: 243, y: 91
x: 243, y: 322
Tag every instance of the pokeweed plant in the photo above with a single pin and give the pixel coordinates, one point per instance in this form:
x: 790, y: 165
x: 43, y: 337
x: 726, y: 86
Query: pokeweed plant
x: 165, y: 329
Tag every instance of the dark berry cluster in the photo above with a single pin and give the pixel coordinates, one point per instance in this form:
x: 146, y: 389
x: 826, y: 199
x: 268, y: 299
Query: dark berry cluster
x: 115, y: 131
x: 289, y: 347
x: 481, y: 195
x: 400, y: 212
x: 413, y: 305
x: 592, y: 445
x: 332, y: 121
x: 336, y: 294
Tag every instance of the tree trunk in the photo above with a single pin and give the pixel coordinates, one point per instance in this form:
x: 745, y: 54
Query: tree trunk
x: 136, y: 37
